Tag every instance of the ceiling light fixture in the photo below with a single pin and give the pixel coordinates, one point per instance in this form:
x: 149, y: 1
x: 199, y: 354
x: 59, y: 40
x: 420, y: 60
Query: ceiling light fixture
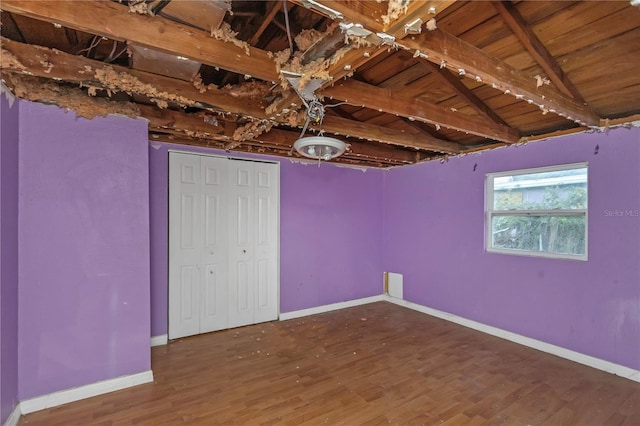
x: 320, y: 147
x: 316, y: 147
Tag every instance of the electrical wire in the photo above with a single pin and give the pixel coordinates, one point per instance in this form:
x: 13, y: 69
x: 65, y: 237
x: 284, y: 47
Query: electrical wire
x: 110, y: 58
x: 286, y: 21
x: 336, y: 105
x: 94, y: 42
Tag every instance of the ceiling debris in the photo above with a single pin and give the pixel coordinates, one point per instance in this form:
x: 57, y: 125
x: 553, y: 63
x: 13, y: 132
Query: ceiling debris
x: 121, y: 81
x: 307, y: 38
x: 139, y: 6
x: 225, y: 33
x: 250, y: 89
x: 251, y: 130
x: 404, y: 81
x: 42, y: 90
x: 395, y: 9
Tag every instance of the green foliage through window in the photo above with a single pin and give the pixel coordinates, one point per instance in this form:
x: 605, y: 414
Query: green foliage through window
x: 539, y: 212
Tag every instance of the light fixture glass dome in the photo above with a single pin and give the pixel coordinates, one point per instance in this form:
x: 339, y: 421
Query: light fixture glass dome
x: 320, y: 147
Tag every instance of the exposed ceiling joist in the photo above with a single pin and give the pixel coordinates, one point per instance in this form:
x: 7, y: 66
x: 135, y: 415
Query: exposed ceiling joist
x: 342, y: 126
x: 463, y: 91
x: 112, y: 20
x: 443, y: 48
x: 51, y: 63
x: 514, y: 20
x: 272, y: 11
x: 378, y: 98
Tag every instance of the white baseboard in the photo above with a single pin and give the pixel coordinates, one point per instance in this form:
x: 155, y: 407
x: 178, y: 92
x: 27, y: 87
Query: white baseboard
x: 14, y: 417
x: 75, y: 394
x: 159, y: 340
x: 600, y: 364
x: 328, y: 308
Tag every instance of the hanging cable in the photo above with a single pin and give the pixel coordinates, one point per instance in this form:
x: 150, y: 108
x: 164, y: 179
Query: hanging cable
x: 286, y: 21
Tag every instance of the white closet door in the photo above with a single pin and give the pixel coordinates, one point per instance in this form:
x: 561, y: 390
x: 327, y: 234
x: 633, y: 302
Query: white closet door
x: 214, y: 301
x: 185, y: 245
x: 266, y: 241
x: 241, y: 250
x: 223, y: 243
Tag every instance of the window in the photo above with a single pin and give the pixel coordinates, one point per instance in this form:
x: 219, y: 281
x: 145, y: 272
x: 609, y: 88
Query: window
x: 538, y: 212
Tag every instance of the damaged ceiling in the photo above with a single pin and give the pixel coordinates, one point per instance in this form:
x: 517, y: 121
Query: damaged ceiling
x: 400, y: 81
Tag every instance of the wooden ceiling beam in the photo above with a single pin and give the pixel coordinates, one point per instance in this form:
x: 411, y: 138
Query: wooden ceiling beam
x: 112, y: 20
x: 169, y: 119
x: 178, y: 122
x: 273, y: 8
x: 53, y: 64
x: 266, y: 148
x: 377, y: 98
x: 357, y: 148
x: 372, y: 15
x: 442, y: 47
x: 343, y: 126
x: 463, y: 91
x: 514, y: 20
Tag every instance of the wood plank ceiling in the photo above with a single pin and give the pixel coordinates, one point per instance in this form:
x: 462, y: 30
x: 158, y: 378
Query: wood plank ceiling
x: 401, y: 81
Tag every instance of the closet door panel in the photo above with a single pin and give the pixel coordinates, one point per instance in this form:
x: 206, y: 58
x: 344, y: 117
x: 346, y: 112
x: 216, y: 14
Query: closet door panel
x: 266, y: 194
x: 241, y: 250
x: 214, y: 303
x: 185, y: 245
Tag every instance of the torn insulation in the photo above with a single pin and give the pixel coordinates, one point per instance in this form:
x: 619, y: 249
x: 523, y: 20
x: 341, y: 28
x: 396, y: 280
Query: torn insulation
x: 42, y: 90
x: 140, y: 7
x: 121, y: 81
x: 394, y: 10
x: 249, y: 90
x: 252, y: 130
x: 308, y: 38
x: 225, y: 33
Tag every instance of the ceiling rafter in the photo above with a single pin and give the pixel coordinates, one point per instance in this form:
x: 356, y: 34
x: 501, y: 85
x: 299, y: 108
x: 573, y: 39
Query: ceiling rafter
x: 273, y: 8
x: 267, y: 148
x: 441, y: 47
x: 425, y: 133
x: 113, y: 20
x: 62, y: 12
x: 356, y: 57
x: 344, y: 126
x: 514, y: 20
x: 50, y: 63
x: 187, y: 125
x: 463, y: 91
x: 377, y: 98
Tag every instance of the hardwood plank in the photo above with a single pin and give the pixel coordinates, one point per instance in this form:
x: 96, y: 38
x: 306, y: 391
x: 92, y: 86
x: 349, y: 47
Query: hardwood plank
x: 373, y: 364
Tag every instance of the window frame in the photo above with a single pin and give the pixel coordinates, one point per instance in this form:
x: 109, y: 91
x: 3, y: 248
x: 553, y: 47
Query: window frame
x: 490, y: 213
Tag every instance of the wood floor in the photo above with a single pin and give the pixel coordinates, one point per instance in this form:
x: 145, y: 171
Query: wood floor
x: 372, y: 364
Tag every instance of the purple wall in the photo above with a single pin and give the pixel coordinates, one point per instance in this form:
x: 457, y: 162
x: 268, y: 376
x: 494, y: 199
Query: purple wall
x: 8, y: 257
x: 434, y: 235
x: 330, y: 239
x: 84, y: 249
